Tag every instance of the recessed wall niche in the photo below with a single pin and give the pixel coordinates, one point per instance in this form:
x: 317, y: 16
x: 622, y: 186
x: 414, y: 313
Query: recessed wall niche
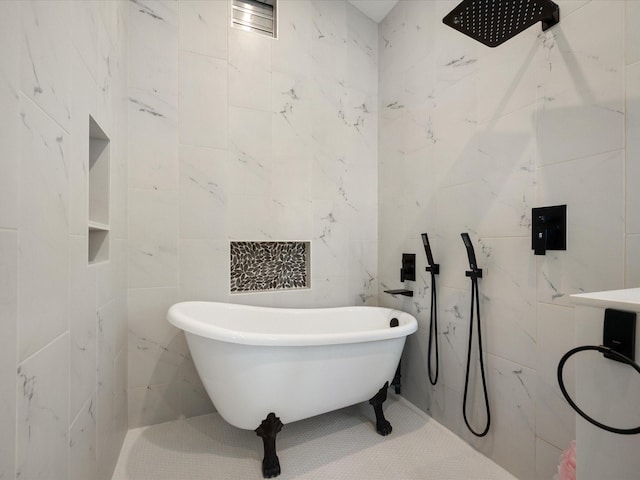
x: 99, y: 181
x: 269, y: 266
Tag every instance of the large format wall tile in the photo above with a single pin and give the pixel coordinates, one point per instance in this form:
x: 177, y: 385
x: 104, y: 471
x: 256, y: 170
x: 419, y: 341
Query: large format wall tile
x: 512, y: 396
x: 203, y: 100
x: 292, y: 117
x: 8, y: 346
x: 10, y: 118
x: 581, y: 94
x: 632, y: 40
x: 362, y: 51
x: 46, y: 73
x: 291, y: 54
x: 85, y: 34
x: 547, y: 460
x: 508, y: 293
x: 110, y: 341
x: 250, y: 151
x: 82, y: 443
x: 203, y: 192
x: 154, y: 146
x: 632, y: 255
x: 153, y: 404
x: 249, y: 70
x: 153, y: 238
x: 43, y: 288
x: 43, y: 414
x: 203, y: 270
x: 153, y: 94
x: 84, y: 103
x: 632, y: 152
x: 555, y: 420
x: 156, y: 348
x: 82, y: 325
x: 9, y: 151
x: 153, y: 46
x: 591, y: 187
x: 203, y: 27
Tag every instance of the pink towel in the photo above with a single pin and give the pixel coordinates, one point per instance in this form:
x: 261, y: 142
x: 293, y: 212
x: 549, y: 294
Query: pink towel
x: 567, y: 466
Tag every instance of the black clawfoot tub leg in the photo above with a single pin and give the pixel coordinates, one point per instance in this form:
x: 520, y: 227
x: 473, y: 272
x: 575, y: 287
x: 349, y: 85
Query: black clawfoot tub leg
x: 383, y: 427
x: 268, y: 430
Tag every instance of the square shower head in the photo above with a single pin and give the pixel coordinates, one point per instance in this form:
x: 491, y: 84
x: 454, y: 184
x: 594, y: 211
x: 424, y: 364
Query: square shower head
x: 493, y: 22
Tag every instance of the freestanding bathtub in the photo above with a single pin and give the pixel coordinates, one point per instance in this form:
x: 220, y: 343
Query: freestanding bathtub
x: 258, y: 362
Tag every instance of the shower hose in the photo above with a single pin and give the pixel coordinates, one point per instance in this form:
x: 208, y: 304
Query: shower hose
x: 602, y: 349
x: 475, y: 302
x: 433, y: 331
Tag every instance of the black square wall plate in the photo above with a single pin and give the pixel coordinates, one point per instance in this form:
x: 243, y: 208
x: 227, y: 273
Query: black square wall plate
x: 619, y: 333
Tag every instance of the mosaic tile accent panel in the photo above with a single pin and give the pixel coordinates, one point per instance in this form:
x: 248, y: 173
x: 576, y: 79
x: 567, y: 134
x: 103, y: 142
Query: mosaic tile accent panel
x: 268, y: 266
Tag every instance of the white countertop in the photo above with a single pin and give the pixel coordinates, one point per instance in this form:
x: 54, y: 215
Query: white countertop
x: 627, y: 299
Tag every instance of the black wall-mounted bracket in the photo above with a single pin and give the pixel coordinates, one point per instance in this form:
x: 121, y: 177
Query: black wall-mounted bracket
x: 407, y: 272
x: 435, y: 269
x: 476, y: 273
x: 548, y: 229
x: 553, y: 17
x: 619, y: 333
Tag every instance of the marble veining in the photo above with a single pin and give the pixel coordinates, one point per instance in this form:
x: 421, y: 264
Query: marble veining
x: 42, y: 413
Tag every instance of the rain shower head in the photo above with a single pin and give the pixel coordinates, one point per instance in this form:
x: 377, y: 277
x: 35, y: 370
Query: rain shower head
x: 493, y: 22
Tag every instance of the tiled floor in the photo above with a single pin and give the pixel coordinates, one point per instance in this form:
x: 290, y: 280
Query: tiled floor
x: 337, y: 445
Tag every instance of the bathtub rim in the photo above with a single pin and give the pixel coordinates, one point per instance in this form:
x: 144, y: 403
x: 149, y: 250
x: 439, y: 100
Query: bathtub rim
x: 178, y: 318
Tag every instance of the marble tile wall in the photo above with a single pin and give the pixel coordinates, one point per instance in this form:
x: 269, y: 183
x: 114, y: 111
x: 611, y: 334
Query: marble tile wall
x: 470, y: 139
x: 239, y: 137
x: 62, y: 413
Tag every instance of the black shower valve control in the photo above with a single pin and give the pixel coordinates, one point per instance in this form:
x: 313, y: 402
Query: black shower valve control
x: 408, y: 270
x: 548, y: 229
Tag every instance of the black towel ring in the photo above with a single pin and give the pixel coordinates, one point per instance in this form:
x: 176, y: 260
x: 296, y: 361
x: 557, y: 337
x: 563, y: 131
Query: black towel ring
x: 608, y: 351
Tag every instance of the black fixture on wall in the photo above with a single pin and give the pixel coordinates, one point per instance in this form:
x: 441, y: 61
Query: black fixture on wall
x: 493, y: 22
x: 619, y: 344
x: 474, y: 273
x: 433, y: 269
x: 548, y: 229
x: 407, y: 272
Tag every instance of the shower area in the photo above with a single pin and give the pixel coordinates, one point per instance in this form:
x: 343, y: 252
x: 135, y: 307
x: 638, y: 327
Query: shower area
x: 347, y: 135
x: 472, y: 138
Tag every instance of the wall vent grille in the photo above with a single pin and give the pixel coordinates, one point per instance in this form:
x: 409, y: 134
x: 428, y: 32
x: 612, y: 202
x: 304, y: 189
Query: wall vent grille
x: 255, y: 16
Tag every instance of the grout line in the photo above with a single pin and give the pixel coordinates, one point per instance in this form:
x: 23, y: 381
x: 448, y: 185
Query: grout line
x: 550, y: 444
x: 30, y: 357
x: 22, y: 94
x: 591, y: 155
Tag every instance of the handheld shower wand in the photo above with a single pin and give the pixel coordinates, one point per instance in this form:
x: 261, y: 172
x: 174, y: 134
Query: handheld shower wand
x: 474, y: 273
x: 434, y: 269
